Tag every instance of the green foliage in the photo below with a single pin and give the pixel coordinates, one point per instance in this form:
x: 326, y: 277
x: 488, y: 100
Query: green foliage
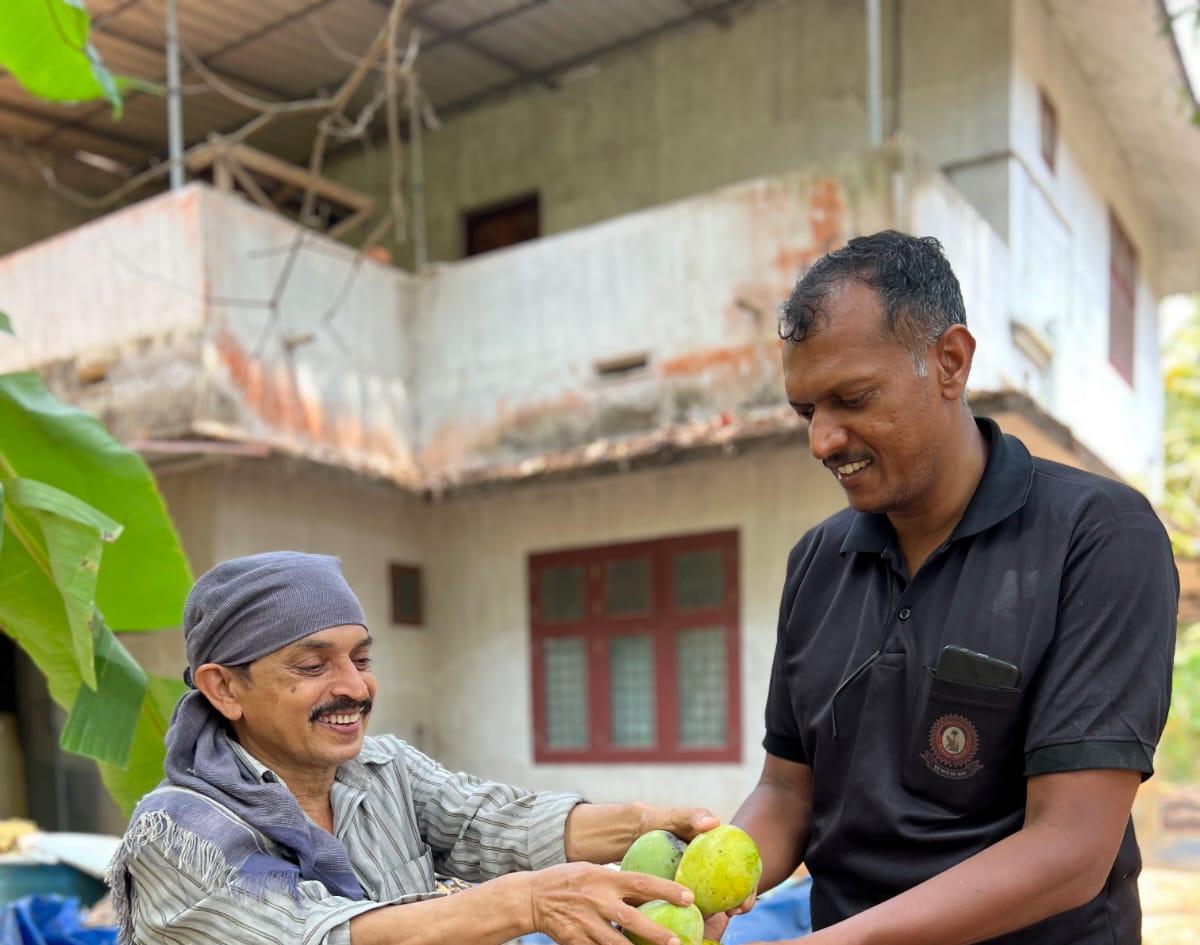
x: 1181, y: 435
x: 44, y: 44
x: 145, y: 576
x: 86, y: 548
x: 1178, y: 758
x: 5, y: 324
x: 1179, y: 750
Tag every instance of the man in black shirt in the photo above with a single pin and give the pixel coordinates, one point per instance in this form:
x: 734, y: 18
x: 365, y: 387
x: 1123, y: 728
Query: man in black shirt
x: 983, y: 792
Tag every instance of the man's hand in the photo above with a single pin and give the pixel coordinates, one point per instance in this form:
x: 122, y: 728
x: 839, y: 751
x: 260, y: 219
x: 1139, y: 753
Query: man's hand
x: 684, y: 822
x: 715, y: 925
x: 575, y: 903
x: 601, y: 833
x: 745, y: 906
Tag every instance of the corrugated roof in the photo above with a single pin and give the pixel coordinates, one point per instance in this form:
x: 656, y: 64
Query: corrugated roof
x: 280, y: 50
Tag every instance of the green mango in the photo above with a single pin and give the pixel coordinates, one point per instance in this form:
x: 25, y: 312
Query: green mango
x: 656, y: 853
x: 722, y: 867
x: 685, y: 921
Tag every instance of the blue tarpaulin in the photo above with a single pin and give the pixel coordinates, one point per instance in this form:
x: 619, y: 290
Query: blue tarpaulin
x: 781, y: 915
x: 49, y: 920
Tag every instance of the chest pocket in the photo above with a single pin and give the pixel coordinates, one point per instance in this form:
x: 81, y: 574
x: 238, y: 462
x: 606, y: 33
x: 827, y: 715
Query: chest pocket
x: 964, y: 744
x: 409, y: 878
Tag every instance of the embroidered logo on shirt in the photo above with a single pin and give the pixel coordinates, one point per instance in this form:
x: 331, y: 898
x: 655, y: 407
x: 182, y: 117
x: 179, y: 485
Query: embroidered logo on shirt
x: 953, y: 745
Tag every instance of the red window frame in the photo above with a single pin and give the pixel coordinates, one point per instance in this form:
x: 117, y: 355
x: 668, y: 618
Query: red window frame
x: 1122, y: 300
x: 663, y: 623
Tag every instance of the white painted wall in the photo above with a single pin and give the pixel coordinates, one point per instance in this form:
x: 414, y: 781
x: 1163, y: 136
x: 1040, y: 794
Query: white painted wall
x: 477, y: 574
x: 1092, y: 175
x: 306, y: 344
x: 953, y: 70
x: 132, y: 276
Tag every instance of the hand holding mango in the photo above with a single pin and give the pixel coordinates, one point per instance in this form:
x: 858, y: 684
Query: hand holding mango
x: 685, y: 921
x: 721, y: 866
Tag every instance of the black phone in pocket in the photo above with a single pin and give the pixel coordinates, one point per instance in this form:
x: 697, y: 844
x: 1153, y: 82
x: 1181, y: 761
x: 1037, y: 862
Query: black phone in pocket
x: 958, y: 664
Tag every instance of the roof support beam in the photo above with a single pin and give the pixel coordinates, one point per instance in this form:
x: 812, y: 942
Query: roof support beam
x: 266, y: 30
x: 444, y: 34
x: 707, y: 10
x: 108, y: 137
x: 454, y: 35
x: 234, y: 78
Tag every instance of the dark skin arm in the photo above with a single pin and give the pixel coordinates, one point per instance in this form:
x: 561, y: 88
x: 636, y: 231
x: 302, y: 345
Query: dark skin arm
x: 777, y: 814
x: 1057, y: 861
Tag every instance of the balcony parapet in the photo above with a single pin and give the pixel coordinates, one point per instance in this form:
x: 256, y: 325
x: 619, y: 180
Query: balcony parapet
x: 196, y: 316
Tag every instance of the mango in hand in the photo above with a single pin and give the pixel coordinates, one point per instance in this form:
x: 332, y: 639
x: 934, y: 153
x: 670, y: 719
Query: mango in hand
x: 656, y: 853
x: 722, y: 867
x: 685, y: 921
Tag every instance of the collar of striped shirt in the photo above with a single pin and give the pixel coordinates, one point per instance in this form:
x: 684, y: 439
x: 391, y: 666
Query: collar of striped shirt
x: 352, y: 773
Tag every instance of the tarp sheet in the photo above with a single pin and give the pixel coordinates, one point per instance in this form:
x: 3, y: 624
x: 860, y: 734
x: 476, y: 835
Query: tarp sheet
x: 49, y: 920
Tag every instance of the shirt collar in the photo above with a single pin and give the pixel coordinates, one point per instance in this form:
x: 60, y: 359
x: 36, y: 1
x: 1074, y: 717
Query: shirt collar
x: 1003, y: 489
x: 352, y: 772
x: 264, y: 774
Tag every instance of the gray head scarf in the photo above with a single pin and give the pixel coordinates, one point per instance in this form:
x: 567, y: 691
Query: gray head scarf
x: 236, y: 613
x: 248, y: 607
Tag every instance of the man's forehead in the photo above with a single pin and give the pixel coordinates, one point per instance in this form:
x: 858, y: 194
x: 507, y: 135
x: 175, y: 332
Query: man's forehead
x: 331, y: 638
x: 815, y: 368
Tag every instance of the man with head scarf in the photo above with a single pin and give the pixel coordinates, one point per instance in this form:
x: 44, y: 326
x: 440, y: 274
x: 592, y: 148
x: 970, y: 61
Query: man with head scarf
x: 280, y: 821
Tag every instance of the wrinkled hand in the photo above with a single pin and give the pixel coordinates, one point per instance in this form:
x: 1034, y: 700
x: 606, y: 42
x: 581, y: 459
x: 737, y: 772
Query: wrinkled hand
x: 575, y: 903
x: 684, y: 822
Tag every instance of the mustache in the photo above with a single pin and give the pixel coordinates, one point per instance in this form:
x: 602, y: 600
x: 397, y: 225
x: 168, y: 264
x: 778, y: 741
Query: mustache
x: 339, y: 705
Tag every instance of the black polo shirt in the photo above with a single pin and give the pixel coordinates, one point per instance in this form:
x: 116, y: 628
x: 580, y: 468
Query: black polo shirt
x: 1065, y: 574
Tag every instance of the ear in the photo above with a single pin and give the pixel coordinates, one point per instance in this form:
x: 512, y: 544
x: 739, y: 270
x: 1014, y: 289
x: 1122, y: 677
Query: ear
x: 221, y: 686
x: 953, y: 353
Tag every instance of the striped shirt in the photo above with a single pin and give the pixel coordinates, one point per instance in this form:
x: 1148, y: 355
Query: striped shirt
x: 402, y: 818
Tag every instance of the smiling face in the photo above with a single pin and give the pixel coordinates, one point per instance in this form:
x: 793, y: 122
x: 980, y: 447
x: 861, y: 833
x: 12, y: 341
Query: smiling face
x: 305, y: 707
x: 874, y: 423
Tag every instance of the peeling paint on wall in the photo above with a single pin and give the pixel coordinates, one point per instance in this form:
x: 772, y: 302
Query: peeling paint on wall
x: 279, y: 404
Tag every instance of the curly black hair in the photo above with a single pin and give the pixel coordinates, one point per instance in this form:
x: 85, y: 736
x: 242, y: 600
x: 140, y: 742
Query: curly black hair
x: 917, y: 288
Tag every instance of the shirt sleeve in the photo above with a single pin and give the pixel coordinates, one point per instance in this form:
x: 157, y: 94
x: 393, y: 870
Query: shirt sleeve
x: 171, y: 905
x: 782, y: 737
x: 1101, y: 694
x: 479, y: 829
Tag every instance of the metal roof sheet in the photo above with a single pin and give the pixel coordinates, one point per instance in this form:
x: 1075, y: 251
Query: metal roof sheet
x: 290, y: 49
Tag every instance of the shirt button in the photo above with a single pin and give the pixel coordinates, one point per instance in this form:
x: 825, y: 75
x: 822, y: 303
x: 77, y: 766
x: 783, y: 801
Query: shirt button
x: 904, y: 614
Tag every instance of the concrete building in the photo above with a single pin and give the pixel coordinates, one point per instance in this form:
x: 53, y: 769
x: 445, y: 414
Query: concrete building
x: 561, y: 474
